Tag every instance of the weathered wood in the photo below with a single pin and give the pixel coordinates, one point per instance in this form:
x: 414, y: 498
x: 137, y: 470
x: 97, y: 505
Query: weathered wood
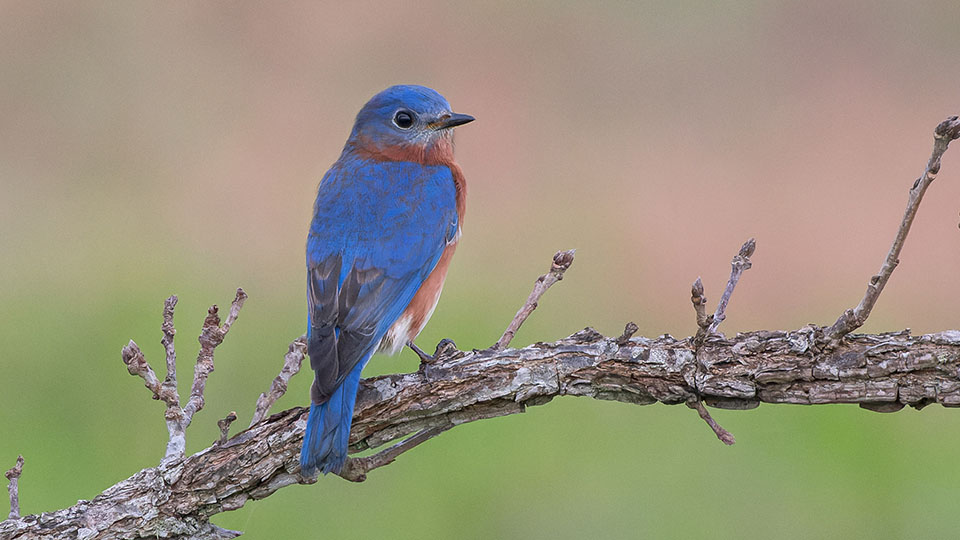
x: 174, y: 500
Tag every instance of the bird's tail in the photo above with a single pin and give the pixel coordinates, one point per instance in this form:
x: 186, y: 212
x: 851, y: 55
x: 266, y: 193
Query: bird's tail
x: 328, y: 429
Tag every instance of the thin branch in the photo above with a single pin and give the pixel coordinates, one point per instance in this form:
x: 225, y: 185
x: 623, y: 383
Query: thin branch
x: 739, y: 264
x: 851, y: 319
x: 699, y: 302
x: 224, y: 425
x: 13, y: 487
x: 211, y: 336
x: 725, y: 436
x: 628, y: 331
x: 291, y: 366
x: 356, y: 469
x: 169, y: 387
x: 137, y: 365
x: 177, y: 418
x: 561, y: 262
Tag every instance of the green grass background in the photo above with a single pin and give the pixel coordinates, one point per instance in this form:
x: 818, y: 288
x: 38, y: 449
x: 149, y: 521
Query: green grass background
x: 154, y: 149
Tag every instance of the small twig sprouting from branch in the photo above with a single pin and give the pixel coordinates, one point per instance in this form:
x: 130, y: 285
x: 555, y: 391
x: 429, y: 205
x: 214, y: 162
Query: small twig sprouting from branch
x: 211, y: 336
x: 356, y: 469
x: 725, y: 436
x: 739, y: 264
x: 169, y: 387
x: 234, y: 312
x: 224, y: 425
x: 851, y: 319
x: 699, y: 302
x: 13, y: 476
x: 561, y: 262
x: 291, y: 366
x: 628, y: 331
x: 137, y: 365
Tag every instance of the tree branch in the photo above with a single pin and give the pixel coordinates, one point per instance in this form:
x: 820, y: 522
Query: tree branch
x: 725, y: 436
x: 561, y: 262
x: 13, y: 487
x: 291, y: 366
x: 811, y: 365
x: 739, y: 264
x: 851, y: 319
x: 699, y: 301
x: 210, y: 337
x: 212, y: 334
x: 886, y: 371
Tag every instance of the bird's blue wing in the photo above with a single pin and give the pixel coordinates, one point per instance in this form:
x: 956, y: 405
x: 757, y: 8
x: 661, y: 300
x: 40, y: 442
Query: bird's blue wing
x: 379, y: 229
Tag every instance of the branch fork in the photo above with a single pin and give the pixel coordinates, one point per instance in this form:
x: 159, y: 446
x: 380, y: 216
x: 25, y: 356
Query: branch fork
x: 707, y: 325
x: 211, y: 335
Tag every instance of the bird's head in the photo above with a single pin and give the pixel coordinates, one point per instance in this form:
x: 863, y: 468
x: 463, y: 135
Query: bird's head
x: 406, y: 123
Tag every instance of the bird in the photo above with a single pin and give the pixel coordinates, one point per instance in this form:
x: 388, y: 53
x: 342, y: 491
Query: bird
x: 386, y: 223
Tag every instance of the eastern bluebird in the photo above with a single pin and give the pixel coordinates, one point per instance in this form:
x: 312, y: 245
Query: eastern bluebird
x: 385, y: 225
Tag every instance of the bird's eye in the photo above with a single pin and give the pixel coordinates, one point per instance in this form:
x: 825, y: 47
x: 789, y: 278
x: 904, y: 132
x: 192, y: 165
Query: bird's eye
x: 403, y: 119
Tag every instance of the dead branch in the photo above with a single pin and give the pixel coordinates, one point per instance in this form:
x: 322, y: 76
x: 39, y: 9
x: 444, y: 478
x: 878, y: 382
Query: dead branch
x: 291, y: 365
x: 561, y: 262
x: 886, y: 371
x: 224, y: 425
x: 707, y: 324
x: 739, y: 264
x: 725, y: 436
x: 812, y: 365
x: 699, y: 302
x: 13, y: 487
x: 851, y: 319
x: 212, y: 334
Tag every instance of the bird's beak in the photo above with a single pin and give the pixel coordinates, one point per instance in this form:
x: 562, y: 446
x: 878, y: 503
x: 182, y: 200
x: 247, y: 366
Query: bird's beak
x: 450, y: 120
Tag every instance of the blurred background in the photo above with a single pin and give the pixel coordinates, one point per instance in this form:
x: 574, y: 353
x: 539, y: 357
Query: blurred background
x: 153, y: 149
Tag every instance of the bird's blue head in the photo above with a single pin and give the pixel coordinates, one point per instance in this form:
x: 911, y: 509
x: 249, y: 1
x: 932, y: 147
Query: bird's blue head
x: 406, y: 123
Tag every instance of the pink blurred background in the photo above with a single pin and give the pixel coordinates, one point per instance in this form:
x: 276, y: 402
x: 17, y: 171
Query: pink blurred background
x: 653, y: 137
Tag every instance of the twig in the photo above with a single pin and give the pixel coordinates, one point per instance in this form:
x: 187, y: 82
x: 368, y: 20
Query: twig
x: 725, y: 436
x: 628, y: 331
x: 137, y: 365
x: 356, y: 469
x: 177, y: 418
x: 699, y: 302
x: 169, y: 387
x: 13, y: 475
x: 852, y: 319
x: 224, y: 426
x: 561, y: 262
x: 739, y: 264
x: 211, y: 336
x: 291, y: 366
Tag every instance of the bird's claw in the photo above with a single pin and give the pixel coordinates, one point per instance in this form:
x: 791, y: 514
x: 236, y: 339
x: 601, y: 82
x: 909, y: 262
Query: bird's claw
x: 424, y: 357
x: 443, y: 348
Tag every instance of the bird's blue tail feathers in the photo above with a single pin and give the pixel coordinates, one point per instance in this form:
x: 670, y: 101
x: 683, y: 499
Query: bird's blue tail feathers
x: 328, y: 428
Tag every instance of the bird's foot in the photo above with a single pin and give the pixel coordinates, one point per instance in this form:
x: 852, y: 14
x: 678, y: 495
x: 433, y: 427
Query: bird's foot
x: 424, y: 357
x: 444, y: 348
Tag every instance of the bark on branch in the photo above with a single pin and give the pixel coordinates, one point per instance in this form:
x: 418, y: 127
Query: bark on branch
x: 882, y: 372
